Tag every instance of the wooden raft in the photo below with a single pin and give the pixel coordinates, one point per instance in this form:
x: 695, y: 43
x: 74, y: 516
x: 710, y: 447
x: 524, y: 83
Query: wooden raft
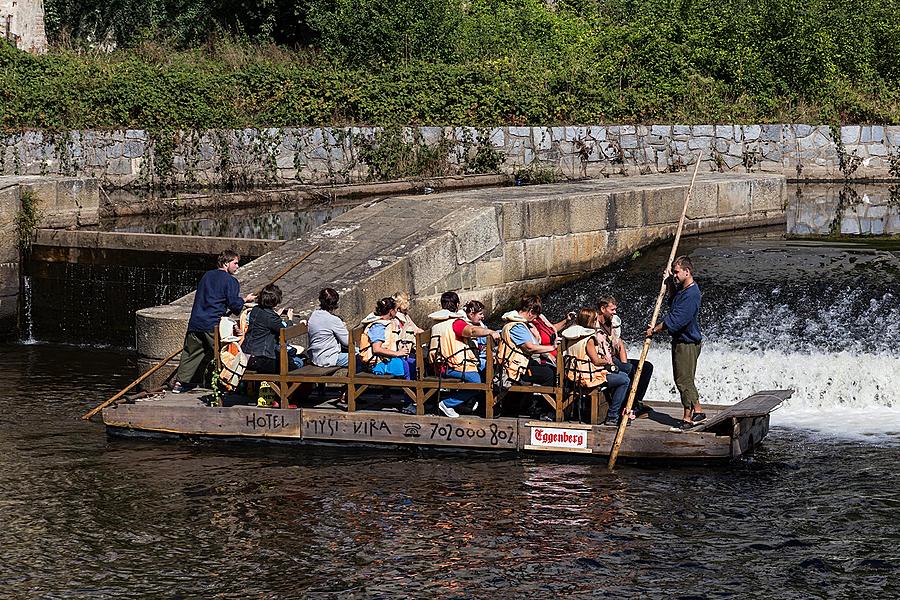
x: 739, y: 428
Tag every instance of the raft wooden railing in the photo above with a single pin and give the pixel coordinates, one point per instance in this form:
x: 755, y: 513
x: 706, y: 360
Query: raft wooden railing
x: 553, y: 395
x: 359, y: 381
x: 420, y: 390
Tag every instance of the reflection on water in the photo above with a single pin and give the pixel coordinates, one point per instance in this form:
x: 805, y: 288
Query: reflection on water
x: 256, y: 223
x: 84, y: 516
x: 843, y: 210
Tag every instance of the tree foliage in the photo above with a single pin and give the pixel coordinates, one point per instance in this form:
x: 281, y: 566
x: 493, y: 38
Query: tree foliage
x: 203, y: 63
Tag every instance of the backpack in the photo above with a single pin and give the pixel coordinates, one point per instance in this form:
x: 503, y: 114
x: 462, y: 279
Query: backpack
x: 234, y: 363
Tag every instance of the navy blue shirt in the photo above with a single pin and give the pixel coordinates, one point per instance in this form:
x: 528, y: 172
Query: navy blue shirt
x: 682, y: 320
x: 217, y: 292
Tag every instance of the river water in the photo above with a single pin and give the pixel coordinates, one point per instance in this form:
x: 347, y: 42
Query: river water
x: 813, y: 513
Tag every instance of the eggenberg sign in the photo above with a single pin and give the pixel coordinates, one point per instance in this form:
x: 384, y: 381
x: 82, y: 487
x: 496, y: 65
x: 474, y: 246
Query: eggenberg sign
x: 558, y: 437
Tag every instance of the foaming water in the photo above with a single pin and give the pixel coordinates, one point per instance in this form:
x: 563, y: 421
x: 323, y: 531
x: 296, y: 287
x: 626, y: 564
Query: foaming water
x: 845, y: 395
x: 821, y: 319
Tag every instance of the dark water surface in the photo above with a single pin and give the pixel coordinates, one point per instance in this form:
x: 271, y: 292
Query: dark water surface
x: 84, y: 516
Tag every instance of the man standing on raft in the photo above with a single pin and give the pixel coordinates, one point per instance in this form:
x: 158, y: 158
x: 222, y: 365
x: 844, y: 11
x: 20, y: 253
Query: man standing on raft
x: 682, y: 323
x: 217, y: 292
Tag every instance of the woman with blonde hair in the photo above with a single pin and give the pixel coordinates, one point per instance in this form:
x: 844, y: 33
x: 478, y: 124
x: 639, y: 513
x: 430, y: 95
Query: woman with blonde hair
x: 407, y: 328
x: 590, y: 364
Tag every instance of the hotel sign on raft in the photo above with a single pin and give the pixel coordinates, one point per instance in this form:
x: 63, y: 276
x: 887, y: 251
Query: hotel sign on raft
x: 571, y: 438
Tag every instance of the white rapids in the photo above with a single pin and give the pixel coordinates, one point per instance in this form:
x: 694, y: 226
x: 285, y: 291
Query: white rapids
x: 839, y: 395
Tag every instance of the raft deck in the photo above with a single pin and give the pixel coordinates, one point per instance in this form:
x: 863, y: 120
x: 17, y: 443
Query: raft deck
x: 729, y: 431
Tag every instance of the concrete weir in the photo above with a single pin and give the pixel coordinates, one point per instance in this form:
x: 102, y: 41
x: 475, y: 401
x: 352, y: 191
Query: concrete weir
x: 490, y: 244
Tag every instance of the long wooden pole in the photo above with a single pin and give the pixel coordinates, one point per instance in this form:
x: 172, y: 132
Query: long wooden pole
x: 155, y: 368
x: 124, y: 391
x: 636, y: 377
x: 290, y: 267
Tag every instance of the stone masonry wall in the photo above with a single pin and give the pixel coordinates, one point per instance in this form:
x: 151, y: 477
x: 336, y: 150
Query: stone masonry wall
x: 26, y: 24
x: 332, y: 155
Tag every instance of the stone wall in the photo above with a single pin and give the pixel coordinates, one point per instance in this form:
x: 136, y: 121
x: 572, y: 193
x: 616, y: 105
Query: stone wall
x: 61, y: 202
x: 323, y: 155
x: 490, y: 244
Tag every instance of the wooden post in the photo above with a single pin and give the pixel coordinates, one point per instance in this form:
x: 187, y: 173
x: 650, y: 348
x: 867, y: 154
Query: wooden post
x: 636, y: 377
x: 351, y: 372
x: 558, y: 392
x: 420, y: 370
x: 489, y: 378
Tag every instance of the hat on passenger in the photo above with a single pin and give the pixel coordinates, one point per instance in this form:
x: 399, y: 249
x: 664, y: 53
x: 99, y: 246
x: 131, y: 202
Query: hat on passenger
x: 444, y: 314
x: 576, y: 332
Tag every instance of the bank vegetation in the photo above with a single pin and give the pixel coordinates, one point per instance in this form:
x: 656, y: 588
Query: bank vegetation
x: 219, y: 63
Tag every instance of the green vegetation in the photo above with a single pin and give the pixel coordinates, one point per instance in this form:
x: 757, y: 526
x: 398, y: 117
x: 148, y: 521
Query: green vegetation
x: 27, y: 218
x: 218, y: 63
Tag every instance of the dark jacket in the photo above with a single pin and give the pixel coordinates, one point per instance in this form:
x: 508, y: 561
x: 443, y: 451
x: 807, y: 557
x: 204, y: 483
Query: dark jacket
x: 217, y: 292
x: 262, y: 336
x: 682, y: 320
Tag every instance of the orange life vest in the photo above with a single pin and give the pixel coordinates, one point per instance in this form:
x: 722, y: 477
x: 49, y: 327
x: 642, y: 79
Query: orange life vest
x: 578, y: 366
x: 391, y: 341
x: 509, y: 356
x: 447, y: 351
x: 406, y: 327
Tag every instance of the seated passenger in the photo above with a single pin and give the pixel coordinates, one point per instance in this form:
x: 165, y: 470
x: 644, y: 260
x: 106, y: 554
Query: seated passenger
x: 328, y: 336
x: 379, y: 349
x: 475, y: 316
x: 408, y: 328
x: 454, y: 349
x: 581, y: 362
x: 261, y: 340
x: 519, y: 353
x: 548, y: 331
x: 609, y: 322
x: 619, y: 381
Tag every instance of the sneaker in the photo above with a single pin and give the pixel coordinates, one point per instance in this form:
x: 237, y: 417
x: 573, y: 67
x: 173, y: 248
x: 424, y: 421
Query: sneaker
x: 408, y: 409
x: 611, y: 423
x: 448, y: 411
x: 698, y: 417
x: 180, y: 388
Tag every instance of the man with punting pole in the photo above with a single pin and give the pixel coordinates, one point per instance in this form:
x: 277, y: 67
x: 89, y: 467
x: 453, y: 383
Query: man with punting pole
x: 682, y: 323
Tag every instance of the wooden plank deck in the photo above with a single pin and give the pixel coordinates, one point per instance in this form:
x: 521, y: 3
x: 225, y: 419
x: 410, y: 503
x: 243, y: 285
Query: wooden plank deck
x: 650, y: 438
x: 757, y: 405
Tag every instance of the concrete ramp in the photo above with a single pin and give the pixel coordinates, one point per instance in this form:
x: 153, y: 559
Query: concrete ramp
x: 490, y: 244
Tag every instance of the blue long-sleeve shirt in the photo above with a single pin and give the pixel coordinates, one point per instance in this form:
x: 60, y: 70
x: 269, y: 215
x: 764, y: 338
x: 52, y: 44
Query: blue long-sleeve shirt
x: 217, y: 292
x: 682, y: 320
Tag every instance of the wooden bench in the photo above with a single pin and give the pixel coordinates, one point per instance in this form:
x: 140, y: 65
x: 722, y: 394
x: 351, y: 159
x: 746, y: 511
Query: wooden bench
x: 287, y: 381
x: 432, y: 384
x: 359, y: 381
x: 421, y: 389
x: 599, y: 400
